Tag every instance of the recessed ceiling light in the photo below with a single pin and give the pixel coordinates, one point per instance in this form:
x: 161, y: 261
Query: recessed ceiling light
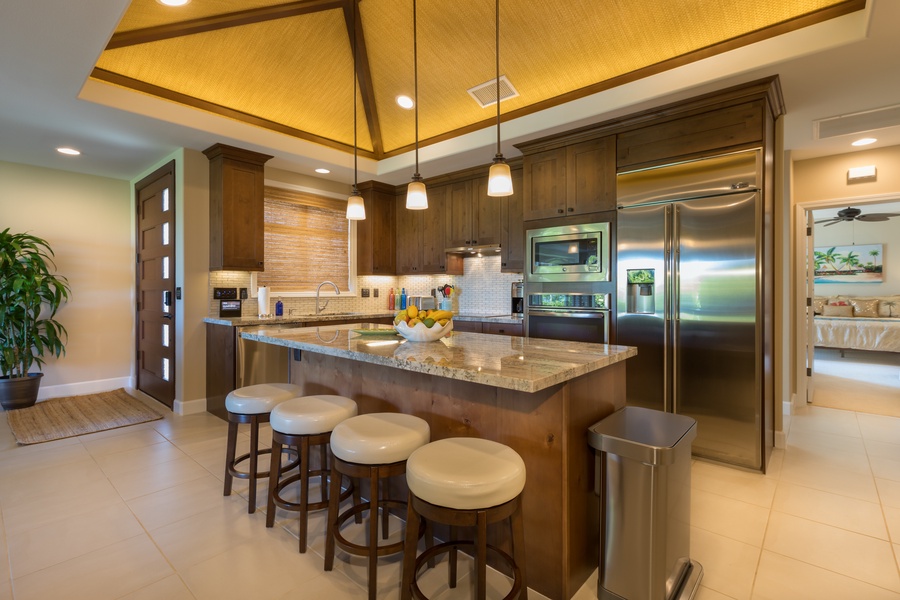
x: 864, y: 142
x: 69, y: 151
x: 322, y: 171
x: 405, y: 102
x: 173, y: 2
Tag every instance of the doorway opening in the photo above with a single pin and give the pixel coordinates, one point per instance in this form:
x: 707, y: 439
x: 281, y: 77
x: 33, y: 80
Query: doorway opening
x: 854, y: 335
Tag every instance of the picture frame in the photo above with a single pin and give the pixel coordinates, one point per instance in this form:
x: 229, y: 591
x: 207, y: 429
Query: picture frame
x: 859, y: 263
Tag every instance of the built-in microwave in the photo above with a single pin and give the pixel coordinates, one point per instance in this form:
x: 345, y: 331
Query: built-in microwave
x: 568, y: 253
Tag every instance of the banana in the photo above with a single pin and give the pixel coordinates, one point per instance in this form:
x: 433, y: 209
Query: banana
x: 441, y: 314
x: 401, y: 316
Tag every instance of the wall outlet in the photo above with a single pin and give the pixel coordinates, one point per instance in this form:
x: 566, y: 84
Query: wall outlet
x: 365, y: 292
x: 375, y: 292
x: 243, y: 293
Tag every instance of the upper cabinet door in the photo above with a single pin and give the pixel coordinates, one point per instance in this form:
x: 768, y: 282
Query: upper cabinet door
x: 545, y: 184
x: 488, y: 214
x: 375, y: 234
x: 460, y: 215
x: 236, y: 212
x: 512, y: 242
x: 591, y: 176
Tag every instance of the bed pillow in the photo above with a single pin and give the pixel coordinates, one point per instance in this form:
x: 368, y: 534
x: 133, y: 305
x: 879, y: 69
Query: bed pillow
x: 889, y: 306
x: 819, y: 303
x: 864, y: 307
x: 837, y: 310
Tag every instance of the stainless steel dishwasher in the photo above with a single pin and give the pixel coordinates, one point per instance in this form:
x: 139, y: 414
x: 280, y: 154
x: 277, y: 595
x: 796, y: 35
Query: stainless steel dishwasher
x: 262, y: 363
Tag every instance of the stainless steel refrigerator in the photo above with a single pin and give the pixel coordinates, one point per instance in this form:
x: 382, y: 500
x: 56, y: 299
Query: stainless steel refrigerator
x: 689, y: 297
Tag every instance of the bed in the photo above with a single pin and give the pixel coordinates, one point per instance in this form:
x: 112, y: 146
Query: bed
x: 854, y: 323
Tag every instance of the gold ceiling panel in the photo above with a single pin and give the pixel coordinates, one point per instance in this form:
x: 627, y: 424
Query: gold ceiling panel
x: 288, y: 65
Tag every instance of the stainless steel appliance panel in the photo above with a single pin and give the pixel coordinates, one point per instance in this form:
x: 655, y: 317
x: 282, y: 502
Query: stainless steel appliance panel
x: 715, y: 332
x: 571, y: 325
x: 642, y: 248
x: 688, y: 299
x: 568, y: 253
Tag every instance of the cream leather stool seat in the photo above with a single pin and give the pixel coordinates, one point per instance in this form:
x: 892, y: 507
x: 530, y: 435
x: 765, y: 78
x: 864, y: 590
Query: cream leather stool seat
x: 252, y: 404
x: 304, y: 423
x: 465, y: 482
x: 372, y: 446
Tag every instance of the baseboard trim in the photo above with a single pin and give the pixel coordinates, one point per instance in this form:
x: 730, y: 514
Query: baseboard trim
x: 47, y: 392
x: 190, y: 407
x: 780, y: 439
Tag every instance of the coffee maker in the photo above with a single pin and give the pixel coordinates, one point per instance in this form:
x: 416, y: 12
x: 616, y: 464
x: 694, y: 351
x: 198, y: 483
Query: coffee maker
x: 518, y: 299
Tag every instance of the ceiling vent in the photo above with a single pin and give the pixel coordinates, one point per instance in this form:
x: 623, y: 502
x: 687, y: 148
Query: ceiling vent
x: 485, y: 94
x: 867, y: 120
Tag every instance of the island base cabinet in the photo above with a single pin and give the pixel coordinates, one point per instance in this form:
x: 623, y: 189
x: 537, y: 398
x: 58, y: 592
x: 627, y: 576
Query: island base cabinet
x: 548, y: 429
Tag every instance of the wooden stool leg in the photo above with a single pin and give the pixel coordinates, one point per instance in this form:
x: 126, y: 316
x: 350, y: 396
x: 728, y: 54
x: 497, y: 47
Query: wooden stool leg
x: 517, y: 526
x: 374, y: 493
x: 333, y: 511
x: 230, y: 452
x: 304, y: 490
x: 254, y: 463
x: 274, y: 476
x: 385, y: 512
x: 409, y: 551
x: 357, y: 500
x: 452, y: 558
x: 481, y: 556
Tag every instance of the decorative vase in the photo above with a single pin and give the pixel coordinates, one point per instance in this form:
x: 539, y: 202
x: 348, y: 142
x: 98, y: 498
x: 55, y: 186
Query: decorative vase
x: 19, y: 392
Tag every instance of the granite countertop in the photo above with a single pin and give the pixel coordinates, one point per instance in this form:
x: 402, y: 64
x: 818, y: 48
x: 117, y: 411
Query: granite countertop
x: 491, y: 318
x: 297, y: 319
x: 516, y: 363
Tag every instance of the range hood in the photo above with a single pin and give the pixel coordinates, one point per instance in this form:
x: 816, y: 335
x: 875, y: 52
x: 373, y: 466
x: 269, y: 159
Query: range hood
x: 484, y: 249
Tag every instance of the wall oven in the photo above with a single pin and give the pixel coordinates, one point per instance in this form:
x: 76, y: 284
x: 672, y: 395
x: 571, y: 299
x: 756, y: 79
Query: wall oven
x: 568, y: 253
x: 577, y: 317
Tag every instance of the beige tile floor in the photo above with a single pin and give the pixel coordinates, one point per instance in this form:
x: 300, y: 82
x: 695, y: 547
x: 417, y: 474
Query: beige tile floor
x: 138, y: 513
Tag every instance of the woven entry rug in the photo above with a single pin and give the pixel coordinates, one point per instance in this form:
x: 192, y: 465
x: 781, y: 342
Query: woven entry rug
x: 60, y: 418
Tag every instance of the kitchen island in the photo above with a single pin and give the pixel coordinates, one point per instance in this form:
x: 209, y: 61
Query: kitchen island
x: 537, y: 396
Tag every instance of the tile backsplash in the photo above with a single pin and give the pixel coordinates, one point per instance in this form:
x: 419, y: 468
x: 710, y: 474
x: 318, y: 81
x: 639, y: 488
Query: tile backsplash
x: 483, y: 290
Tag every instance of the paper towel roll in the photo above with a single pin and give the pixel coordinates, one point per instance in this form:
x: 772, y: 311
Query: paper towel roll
x: 262, y: 296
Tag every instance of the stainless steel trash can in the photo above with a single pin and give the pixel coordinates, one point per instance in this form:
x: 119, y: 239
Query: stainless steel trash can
x: 643, y: 463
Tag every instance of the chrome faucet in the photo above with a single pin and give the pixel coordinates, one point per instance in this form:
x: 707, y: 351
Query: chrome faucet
x: 336, y: 291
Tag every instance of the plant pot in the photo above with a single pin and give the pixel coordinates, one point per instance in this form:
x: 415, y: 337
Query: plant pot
x: 19, y: 392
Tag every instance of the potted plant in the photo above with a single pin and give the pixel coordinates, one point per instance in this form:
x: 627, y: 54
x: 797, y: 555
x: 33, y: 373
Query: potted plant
x: 30, y: 295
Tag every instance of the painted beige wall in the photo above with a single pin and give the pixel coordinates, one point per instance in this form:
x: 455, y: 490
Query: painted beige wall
x: 87, y: 221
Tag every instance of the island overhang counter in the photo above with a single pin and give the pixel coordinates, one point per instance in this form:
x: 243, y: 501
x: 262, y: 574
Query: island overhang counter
x: 537, y: 396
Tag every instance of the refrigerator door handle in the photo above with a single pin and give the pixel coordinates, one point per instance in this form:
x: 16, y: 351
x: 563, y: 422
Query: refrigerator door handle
x: 675, y: 303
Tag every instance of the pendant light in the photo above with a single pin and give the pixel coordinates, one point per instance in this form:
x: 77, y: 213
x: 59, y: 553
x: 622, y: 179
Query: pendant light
x: 499, y: 178
x: 356, y: 206
x: 416, y: 197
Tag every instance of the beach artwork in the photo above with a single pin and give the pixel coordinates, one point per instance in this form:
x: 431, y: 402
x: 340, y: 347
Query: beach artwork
x: 849, y: 264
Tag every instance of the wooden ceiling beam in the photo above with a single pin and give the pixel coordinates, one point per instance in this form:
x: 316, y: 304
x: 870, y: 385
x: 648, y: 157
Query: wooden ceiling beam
x: 225, y: 21
x: 364, y: 73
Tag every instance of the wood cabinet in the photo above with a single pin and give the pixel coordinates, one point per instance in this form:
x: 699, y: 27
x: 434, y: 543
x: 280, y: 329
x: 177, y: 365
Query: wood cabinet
x: 570, y: 180
x: 421, y: 237
x: 236, y: 213
x: 512, y: 239
x: 719, y: 128
x: 474, y: 217
x: 375, y: 234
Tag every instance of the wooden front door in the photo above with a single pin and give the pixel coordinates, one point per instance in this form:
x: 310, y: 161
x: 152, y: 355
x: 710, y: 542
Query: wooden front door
x: 155, y: 292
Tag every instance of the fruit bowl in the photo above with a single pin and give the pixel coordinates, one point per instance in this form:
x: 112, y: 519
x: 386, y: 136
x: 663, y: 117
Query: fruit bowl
x: 421, y: 333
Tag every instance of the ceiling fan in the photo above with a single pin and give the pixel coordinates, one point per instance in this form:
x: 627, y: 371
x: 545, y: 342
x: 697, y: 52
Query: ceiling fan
x: 854, y: 214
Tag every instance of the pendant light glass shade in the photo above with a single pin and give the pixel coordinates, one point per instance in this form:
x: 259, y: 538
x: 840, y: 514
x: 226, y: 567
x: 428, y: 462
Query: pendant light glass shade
x: 416, y: 196
x: 356, y: 206
x: 499, y: 178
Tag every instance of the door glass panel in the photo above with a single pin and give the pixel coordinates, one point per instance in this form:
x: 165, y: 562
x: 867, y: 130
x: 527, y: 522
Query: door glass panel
x: 165, y: 199
x: 165, y: 305
x: 165, y: 267
x: 165, y: 234
x: 165, y: 369
x: 165, y: 335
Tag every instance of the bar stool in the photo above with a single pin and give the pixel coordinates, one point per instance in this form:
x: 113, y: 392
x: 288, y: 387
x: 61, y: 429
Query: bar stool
x: 373, y: 446
x: 465, y: 482
x: 252, y: 404
x: 304, y: 423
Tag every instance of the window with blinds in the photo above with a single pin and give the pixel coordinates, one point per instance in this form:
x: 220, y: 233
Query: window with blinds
x: 307, y: 242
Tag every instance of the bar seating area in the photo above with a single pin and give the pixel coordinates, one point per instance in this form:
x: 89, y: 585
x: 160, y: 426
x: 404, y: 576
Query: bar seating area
x: 465, y: 483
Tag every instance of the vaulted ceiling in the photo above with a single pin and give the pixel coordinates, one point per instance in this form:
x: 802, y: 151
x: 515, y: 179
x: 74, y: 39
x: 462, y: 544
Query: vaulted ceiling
x: 288, y: 66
